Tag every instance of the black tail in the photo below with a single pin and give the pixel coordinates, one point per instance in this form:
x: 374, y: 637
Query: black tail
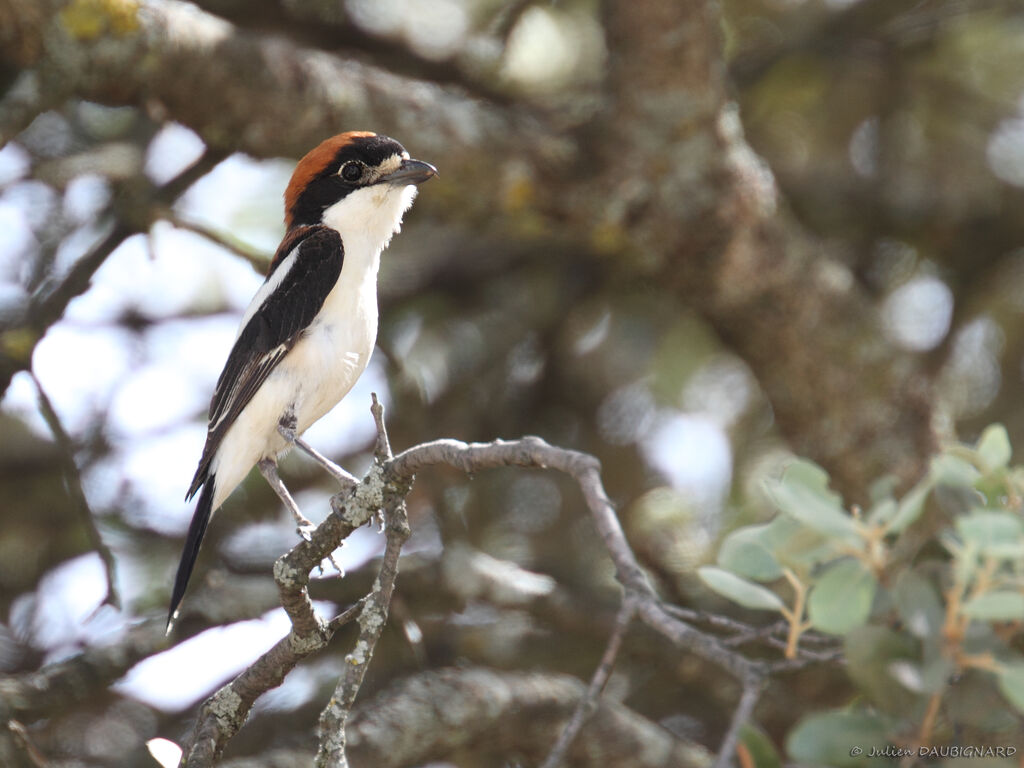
x: 196, y: 531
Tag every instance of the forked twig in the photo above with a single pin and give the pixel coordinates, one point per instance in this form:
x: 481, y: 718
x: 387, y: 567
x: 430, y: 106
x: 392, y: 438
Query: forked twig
x: 384, y: 489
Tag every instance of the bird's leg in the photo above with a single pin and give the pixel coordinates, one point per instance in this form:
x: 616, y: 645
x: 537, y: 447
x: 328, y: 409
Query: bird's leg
x: 303, y: 525
x: 268, y: 468
x: 286, y: 428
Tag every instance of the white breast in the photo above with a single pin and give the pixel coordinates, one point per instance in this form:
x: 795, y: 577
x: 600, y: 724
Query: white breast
x: 334, y: 351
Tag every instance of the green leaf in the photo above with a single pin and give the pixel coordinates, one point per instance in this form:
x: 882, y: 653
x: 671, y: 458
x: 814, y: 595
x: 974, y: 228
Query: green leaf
x: 882, y: 512
x: 1002, y: 605
x: 918, y: 605
x: 922, y: 678
x: 834, y: 738
x: 842, y: 598
x: 911, y: 506
x: 883, y: 488
x: 994, y: 448
x: 988, y: 529
x: 1011, y: 683
x: 953, y: 471
x: 760, y: 746
x: 797, y: 546
x: 748, y: 552
x: 803, y: 494
x: 1007, y: 550
x: 870, y: 651
x: 741, y: 591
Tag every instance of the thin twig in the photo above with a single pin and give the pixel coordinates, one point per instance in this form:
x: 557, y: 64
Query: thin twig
x: 24, y: 742
x: 346, y: 616
x: 588, y: 702
x: 772, y: 635
x: 259, y: 260
x: 73, y: 483
x: 534, y: 452
x: 752, y: 686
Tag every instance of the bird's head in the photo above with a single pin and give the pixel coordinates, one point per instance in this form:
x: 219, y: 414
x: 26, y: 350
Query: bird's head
x: 351, y: 177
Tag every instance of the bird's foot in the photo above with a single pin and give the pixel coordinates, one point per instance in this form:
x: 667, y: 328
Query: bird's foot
x: 334, y: 564
x: 305, y: 529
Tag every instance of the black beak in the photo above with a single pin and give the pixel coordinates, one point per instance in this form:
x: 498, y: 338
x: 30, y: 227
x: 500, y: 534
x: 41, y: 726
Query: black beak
x: 409, y: 172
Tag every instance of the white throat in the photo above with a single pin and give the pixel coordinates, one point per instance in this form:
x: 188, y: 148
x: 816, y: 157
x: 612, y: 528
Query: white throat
x: 367, y: 218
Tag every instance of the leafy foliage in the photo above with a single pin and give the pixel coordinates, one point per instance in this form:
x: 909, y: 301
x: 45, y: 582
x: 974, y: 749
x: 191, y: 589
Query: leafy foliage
x: 926, y: 590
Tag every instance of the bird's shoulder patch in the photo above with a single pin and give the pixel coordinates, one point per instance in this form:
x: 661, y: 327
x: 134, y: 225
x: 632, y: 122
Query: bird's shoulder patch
x: 291, y: 238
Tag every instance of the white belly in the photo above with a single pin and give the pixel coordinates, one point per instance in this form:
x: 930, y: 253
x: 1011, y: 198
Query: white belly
x: 312, y: 378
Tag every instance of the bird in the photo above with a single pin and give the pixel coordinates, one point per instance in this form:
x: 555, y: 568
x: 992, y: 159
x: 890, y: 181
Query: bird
x: 309, y: 331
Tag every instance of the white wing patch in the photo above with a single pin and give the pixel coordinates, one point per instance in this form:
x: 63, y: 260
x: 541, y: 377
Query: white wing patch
x: 269, y: 286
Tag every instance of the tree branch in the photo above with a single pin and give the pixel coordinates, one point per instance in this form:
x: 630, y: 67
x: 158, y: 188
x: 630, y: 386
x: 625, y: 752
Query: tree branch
x: 259, y: 260
x: 51, y: 299
x: 589, y: 701
x: 60, y: 686
x: 325, y: 26
x: 385, y: 488
x: 261, y: 84
x: 372, y: 618
x: 73, y: 481
x: 429, y: 716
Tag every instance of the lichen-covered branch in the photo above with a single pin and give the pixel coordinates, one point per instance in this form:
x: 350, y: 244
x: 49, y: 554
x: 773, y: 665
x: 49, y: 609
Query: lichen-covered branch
x: 384, y: 489
x: 65, y: 684
x: 372, y: 618
x: 431, y: 715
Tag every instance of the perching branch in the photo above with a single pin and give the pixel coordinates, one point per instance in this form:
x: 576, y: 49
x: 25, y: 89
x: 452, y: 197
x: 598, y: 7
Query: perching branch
x: 532, y: 451
x: 384, y: 489
x: 226, y: 711
x: 372, y: 617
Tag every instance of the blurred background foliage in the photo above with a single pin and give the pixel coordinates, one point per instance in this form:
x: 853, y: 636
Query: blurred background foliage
x: 894, y: 132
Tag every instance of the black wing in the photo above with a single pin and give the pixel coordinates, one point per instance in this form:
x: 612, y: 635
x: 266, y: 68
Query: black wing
x: 272, y: 330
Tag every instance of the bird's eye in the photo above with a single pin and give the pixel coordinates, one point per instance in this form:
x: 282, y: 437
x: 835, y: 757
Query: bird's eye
x: 351, y: 171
